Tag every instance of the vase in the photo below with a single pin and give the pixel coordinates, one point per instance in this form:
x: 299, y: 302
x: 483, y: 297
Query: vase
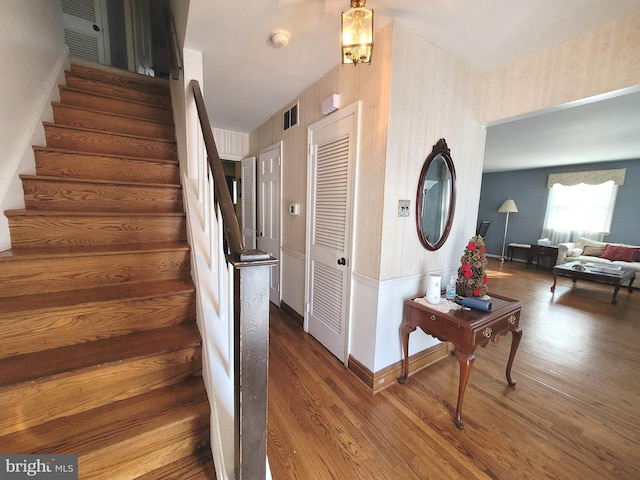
x: 433, y: 288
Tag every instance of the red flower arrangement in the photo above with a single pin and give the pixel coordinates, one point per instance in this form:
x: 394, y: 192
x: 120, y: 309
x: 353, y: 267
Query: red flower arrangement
x: 472, y: 280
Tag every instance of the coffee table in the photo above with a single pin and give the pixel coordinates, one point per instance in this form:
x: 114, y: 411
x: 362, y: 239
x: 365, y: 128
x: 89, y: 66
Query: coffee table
x: 593, y: 272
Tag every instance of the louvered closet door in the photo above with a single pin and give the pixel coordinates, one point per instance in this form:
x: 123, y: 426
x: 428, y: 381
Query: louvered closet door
x: 248, y: 166
x: 85, y: 29
x: 331, y: 170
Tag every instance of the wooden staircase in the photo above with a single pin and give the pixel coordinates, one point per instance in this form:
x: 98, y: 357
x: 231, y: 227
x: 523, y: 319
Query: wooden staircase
x: 100, y: 355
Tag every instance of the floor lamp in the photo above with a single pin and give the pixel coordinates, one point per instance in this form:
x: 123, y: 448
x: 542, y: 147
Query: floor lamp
x: 508, y: 206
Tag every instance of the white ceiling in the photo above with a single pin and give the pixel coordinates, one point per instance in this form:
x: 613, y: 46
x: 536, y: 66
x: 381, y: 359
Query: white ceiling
x: 246, y: 79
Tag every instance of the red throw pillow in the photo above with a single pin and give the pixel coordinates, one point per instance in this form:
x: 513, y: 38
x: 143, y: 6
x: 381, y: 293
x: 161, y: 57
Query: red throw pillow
x: 615, y: 252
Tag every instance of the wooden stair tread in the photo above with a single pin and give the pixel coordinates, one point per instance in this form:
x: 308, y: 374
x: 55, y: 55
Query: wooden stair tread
x: 99, y: 69
x: 113, y: 423
x: 105, y: 141
x: 106, y: 155
x: 106, y: 132
x: 110, y: 114
x: 92, y: 355
x: 72, y: 96
x: 198, y: 466
x: 119, y: 79
x: 98, y: 84
x: 135, y: 81
x: 92, y: 181
x: 31, y: 212
x: 112, y: 97
x: 47, y: 301
x: 36, y: 227
x: 27, y: 253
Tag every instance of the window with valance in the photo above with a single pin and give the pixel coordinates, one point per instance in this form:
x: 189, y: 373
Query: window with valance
x: 581, y: 204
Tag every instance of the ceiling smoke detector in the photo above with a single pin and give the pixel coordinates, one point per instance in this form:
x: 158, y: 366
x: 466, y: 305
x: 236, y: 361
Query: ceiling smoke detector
x: 280, y: 38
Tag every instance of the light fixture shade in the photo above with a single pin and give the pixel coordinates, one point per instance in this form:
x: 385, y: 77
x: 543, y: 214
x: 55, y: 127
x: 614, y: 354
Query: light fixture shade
x: 357, y: 34
x: 508, y: 206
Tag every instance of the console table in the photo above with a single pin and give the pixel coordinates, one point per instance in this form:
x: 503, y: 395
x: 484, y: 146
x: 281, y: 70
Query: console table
x: 534, y: 251
x: 517, y: 246
x: 466, y: 329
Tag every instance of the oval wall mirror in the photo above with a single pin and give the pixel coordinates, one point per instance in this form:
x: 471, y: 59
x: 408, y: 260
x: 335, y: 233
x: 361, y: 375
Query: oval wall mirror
x: 436, y: 197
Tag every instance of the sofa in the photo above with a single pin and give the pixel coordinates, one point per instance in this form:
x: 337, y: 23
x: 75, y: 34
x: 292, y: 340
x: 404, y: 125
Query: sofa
x: 587, y: 250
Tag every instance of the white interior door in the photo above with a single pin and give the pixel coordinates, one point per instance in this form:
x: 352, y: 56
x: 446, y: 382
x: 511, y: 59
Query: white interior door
x: 269, y: 207
x: 248, y: 177
x: 86, y: 30
x: 331, y: 169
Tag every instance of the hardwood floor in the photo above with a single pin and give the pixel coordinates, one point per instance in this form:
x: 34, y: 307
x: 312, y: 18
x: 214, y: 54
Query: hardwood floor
x: 573, y: 414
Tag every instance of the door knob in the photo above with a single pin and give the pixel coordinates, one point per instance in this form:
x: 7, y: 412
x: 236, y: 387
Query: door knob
x: 342, y: 261
x: 96, y: 28
x: 259, y: 235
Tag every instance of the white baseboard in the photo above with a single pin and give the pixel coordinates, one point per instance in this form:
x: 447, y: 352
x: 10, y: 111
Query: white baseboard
x: 292, y: 268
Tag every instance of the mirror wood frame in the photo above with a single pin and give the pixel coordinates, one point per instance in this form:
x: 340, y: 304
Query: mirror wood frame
x: 440, y: 148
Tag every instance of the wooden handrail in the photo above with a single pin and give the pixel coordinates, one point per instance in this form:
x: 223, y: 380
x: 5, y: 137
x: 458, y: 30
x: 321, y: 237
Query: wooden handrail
x: 250, y: 320
x: 232, y: 231
x: 250, y: 287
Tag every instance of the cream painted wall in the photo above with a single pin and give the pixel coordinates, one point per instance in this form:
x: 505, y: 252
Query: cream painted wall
x: 370, y: 84
x: 32, y: 49
x: 442, y: 97
x: 602, y: 61
x: 436, y: 97
x: 406, y: 108
x: 405, y: 112
x: 231, y: 145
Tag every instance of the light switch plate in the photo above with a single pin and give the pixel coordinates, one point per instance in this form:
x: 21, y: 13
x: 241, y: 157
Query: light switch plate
x: 403, y: 208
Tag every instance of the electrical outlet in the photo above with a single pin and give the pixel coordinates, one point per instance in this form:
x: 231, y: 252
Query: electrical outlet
x: 404, y: 207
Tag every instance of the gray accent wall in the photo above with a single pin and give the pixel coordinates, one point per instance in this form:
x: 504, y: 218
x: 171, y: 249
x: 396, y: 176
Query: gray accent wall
x: 528, y: 188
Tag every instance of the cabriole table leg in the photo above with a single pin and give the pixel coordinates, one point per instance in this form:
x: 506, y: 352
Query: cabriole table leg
x: 405, y: 331
x: 516, y: 336
x: 466, y: 362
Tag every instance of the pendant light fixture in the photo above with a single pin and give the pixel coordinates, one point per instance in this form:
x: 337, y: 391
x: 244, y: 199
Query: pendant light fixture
x: 357, y: 34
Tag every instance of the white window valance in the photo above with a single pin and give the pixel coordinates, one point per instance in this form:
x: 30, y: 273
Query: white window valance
x: 593, y: 177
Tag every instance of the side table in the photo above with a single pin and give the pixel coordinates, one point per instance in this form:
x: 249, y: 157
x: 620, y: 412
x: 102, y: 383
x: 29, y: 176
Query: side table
x: 466, y: 329
x: 543, y: 251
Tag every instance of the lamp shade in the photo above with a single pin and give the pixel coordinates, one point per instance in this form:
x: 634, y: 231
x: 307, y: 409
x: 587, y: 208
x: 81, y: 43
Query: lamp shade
x: 508, y: 206
x: 357, y: 34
